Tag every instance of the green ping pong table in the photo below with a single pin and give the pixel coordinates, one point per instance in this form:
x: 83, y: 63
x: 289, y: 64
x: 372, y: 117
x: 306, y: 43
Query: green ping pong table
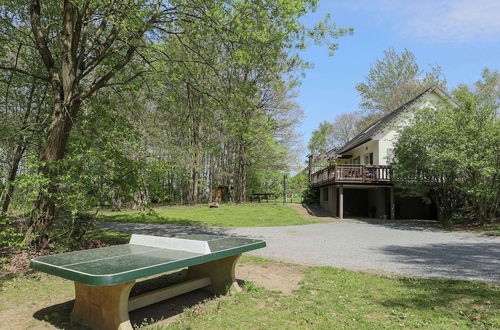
x: 104, y: 277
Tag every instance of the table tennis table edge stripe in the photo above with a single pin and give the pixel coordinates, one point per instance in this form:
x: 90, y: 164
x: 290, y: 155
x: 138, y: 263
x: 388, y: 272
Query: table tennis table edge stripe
x: 62, y: 268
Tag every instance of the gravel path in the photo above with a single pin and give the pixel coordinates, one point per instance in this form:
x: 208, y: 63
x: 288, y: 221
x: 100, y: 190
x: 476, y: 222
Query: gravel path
x: 401, y: 248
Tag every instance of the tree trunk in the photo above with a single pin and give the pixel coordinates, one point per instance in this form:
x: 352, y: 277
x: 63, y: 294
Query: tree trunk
x: 9, y: 187
x: 141, y: 197
x: 116, y: 200
x: 140, y: 200
x: 55, y: 147
x: 19, y: 153
x: 66, y: 70
x: 242, y: 175
x: 193, y: 187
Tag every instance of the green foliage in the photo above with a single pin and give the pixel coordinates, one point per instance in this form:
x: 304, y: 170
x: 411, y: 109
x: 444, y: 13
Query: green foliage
x: 331, y: 136
x: 10, y: 235
x: 394, y: 80
x: 453, y: 152
x: 297, y: 183
x: 310, y: 196
x: 320, y: 142
x: 260, y: 182
x: 157, y: 101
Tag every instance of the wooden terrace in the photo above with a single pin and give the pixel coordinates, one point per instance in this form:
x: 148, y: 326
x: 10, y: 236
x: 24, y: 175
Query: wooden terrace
x: 352, y: 173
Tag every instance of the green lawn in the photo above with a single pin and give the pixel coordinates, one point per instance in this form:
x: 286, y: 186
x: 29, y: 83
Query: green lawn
x: 247, y: 215
x: 327, y: 298
x: 334, y: 298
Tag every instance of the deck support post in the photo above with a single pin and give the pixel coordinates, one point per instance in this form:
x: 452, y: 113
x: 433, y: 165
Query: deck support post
x: 221, y: 273
x: 341, y: 202
x: 393, y: 211
x: 102, y: 307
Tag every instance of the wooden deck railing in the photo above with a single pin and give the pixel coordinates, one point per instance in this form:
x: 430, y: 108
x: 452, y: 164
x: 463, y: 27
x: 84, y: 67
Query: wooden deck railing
x: 352, y: 173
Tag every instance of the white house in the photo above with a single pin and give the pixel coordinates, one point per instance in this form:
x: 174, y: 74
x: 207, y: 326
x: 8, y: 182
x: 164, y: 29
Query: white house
x: 358, y: 182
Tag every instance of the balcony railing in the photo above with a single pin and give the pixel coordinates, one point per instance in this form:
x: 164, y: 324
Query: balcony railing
x: 352, y: 173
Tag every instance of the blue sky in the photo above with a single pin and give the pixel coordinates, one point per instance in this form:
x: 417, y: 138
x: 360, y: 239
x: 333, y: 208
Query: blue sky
x: 461, y: 36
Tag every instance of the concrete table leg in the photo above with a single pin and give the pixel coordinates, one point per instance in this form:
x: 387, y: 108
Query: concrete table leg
x: 102, y: 307
x: 221, y: 273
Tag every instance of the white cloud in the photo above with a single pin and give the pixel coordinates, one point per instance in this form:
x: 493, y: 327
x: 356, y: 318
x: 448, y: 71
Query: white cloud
x: 439, y: 20
x: 455, y: 21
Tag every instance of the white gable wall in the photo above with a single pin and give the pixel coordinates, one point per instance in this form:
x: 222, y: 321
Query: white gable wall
x: 362, y: 150
x: 382, y: 144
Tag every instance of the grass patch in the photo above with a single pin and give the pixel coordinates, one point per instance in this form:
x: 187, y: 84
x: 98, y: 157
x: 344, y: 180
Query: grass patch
x: 333, y: 298
x: 108, y: 237
x: 246, y: 215
x: 249, y: 259
x: 327, y: 298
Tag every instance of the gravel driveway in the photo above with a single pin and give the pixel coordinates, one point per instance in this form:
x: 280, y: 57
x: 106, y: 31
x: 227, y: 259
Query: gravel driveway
x: 402, y: 248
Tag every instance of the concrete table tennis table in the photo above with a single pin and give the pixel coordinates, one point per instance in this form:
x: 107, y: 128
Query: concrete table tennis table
x: 104, y: 277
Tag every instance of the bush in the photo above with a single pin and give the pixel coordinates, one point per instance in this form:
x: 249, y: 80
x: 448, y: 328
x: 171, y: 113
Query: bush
x: 310, y: 195
x: 452, y: 152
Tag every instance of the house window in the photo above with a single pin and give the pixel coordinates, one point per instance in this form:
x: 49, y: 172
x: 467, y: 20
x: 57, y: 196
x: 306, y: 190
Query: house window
x: 368, y: 158
x: 390, y: 155
x: 325, y: 194
x: 356, y: 160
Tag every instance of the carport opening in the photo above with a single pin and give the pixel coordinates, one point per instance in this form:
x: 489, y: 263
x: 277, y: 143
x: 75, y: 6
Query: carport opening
x: 375, y: 203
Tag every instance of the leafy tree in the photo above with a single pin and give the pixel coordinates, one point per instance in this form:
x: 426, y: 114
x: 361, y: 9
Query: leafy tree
x: 320, y: 141
x: 151, y: 99
x: 394, y: 80
x: 345, y: 127
x: 453, y: 153
x: 298, y: 183
x: 269, y: 182
x: 334, y: 135
x: 82, y: 45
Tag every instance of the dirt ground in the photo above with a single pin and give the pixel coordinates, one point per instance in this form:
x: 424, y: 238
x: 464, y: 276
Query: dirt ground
x: 279, y: 277
x: 54, y: 313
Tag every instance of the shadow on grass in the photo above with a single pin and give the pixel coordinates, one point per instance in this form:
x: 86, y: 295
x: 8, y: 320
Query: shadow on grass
x: 148, y: 218
x: 476, y: 304
x: 108, y: 237
x: 171, y: 230
x: 455, y: 260
x: 169, y: 309
x: 59, y: 315
x: 429, y: 293
x: 155, y: 218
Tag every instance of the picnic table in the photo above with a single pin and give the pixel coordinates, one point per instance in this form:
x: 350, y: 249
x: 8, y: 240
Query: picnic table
x: 104, y: 277
x: 260, y: 197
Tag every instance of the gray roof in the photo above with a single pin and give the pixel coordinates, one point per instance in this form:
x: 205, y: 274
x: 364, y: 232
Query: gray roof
x: 375, y: 128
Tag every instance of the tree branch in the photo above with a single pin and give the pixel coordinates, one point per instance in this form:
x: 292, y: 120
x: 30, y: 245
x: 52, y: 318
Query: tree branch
x: 40, y: 40
x: 128, y: 56
x: 104, y: 79
x: 24, y: 72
